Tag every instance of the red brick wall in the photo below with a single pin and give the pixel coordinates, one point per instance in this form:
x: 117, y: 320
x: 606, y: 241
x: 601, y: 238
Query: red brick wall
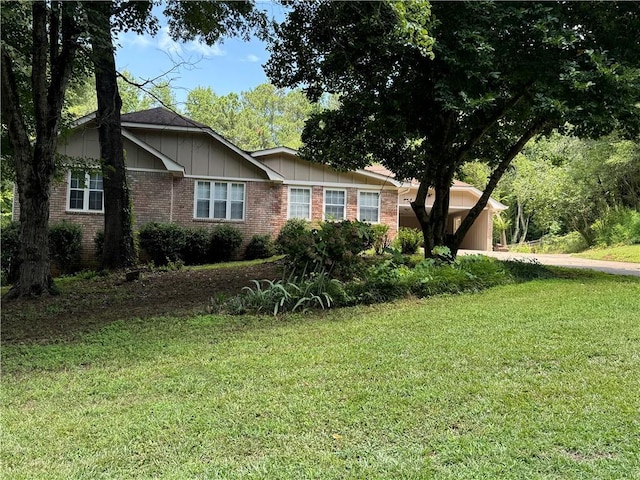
x: 158, y: 196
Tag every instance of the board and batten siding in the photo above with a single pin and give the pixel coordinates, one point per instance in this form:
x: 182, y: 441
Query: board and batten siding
x: 200, y: 154
x: 298, y: 170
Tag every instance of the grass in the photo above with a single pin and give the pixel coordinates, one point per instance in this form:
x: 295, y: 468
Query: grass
x: 624, y: 253
x: 535, y: 380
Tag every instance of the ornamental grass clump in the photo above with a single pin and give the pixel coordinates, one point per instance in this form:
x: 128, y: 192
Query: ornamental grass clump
x: 297, y: 294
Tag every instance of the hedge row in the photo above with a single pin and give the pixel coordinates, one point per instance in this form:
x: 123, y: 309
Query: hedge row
x: 162, y: 242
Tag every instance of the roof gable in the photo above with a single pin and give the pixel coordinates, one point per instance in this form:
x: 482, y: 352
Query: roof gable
x: 160, y: 116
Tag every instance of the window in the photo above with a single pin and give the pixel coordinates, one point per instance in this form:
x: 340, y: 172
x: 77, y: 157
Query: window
x: 335, y: 202
x: 369, y: 207
x: 219, y: 200
x: 86, y: 192
x: 300, y: 203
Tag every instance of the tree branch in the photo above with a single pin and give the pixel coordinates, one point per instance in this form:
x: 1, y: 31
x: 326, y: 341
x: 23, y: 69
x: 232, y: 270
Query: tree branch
x: 535, y: 128
x: 499, y: 113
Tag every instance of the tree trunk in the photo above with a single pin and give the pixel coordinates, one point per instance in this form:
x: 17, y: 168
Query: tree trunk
x: 54, y: 35
x: 455, y: 240
x: 119, y: 250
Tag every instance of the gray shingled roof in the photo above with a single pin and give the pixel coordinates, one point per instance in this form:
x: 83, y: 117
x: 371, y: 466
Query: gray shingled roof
x: 161, y: 116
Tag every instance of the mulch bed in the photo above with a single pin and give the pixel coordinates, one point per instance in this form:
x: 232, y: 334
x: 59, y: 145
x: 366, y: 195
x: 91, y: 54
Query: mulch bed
x: 86, y: 305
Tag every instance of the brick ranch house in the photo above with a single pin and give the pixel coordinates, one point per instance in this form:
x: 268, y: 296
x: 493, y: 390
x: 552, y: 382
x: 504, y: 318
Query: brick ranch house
x: 181, y: 171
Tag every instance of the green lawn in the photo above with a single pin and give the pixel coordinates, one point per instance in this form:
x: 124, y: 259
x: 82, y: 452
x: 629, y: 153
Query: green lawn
x: 535, y: 380
x: 625, y: 253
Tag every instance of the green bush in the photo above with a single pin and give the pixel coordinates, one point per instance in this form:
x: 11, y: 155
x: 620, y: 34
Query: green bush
x: 339, y: 244
x: 333, y: 246
x: 409, y: 240
x: 196, y: 246
x: 9, y: 252
x: 65, y: 245
x: 572, y: 242
x: 317, y: 291
x: 619, y: 226
x: 296, y: 241
x: 98, y: 241
x: 225, y: 241
x: 260, y: 246
x: 163, y: 242
x: 381, y: 240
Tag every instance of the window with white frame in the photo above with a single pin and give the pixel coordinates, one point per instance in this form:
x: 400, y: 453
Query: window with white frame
x: 85, y: 191
x: 369, y: 207
x: 219, y: 200
x: 335, y: 203
x: 300, y: 203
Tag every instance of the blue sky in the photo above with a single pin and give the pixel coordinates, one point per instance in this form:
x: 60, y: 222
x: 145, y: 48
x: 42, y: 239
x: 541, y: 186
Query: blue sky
x: 229, y: 66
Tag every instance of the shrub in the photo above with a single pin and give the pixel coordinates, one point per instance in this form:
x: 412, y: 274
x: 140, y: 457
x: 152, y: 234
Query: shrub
x: 296, y: 241
x: 333, y: 247
x: 317, y: 291
x: 65, y: 245
x: 98, y: 241
x: 260, y: 246
x: 617, y: 226
x: 409, y: 240
x: 225, y: 241
x: 196, y: 246
x: 9, y: 252
x: 163, y: 242
x: 572, y: 242
x: 381, y: 240
x: 338, y: 245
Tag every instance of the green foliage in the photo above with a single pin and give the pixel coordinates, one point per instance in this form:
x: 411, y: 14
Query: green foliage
x: 570, y: 243
x: 501, y: 73
x: 260, y: 246
x: 408, y: 240
x: 296, y: 241
x: 339, y: 244
x: 65, y: 245
x: 333, y: 246
x: 98, y: 242
x: 387, y: 280
x: 316, y: 291
x: 225, y: 241
x: 260, y: 118
x: 163, y: 242
x: 619, y: 226
x: 381, y: 241
x: 196, y: 246
x: 9, y: 252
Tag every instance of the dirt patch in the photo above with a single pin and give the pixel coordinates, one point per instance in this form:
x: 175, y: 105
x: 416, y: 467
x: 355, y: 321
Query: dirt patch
x: 86, y: 305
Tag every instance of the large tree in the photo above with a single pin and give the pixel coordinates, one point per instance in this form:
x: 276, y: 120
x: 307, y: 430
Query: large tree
x: 40, y: 42
x: 204, y: 20
x: 104, y: 17
x: 260, y: 118
x: 496, y: 75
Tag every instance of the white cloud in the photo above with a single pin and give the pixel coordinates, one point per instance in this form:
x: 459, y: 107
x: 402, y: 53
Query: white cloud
x: 167, y: 44
x: 205, y: 50
x: 132, y: 39
x: 252, y: 58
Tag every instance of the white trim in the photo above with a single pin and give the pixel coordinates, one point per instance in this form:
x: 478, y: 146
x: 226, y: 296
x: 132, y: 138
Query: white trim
x: 148, y: 170
x: 324, y: 202
x: 169, y: 164
x: 377, y: 192
x: 275, y: 150
x: 85, y: 195
x: 338, y: 185
x: 300, y: 187
x: 225, y: 179
x: 227, y: 200
x: 294, y: 153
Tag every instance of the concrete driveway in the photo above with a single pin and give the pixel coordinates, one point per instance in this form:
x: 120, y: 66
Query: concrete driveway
x: 565, y: 260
